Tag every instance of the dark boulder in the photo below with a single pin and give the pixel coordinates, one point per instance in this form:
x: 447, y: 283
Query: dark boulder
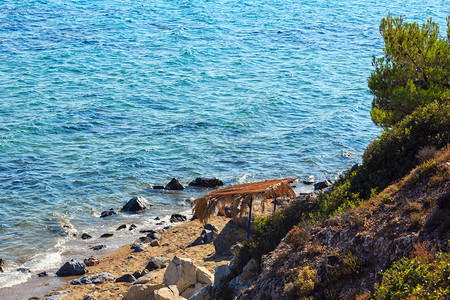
x: 136, y: 204
x: 110, y: 212
x: 158, y: 187
x: 155, y: 234
x: 98, y: 247
x: 206, y: 182
x: 175, y: 185
x: 126, y: 278
x: 156, y: 262
x: 91, y: 261
x: 206, y: 237
x: 42, y: 274
x: 72, y: 268
x: 139, y: 273
x: 322, y: 185
x: 106, y: 235
x: 123, y: 226
x: 23, y: 270
x: 86, y: 236
x: 132, y: 226
x: 177, y: 218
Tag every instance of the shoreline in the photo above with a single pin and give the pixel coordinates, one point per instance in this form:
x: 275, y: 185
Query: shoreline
x: 173, y: 242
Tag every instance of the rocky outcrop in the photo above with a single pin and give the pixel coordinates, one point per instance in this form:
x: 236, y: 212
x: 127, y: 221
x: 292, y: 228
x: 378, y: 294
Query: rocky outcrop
x: 136, y: 204
x: 322, y: 185
x: 230, y: 235
x: 175, y: 185
x: 206, y: 182
x: 93, y: 279
x: 126, y: 278
x: 72, y: 268
x: 186, y: 276
x: 86, y: 236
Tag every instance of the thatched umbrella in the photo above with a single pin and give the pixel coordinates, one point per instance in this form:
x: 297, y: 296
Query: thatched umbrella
x: 241, y: 197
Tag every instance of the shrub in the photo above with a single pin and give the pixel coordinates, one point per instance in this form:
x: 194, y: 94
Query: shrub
x: 393, y: 155
x: 306, y: 281
x: 425, y: 276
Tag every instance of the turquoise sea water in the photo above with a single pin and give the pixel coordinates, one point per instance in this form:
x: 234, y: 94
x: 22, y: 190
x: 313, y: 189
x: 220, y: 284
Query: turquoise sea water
x: 101, y: 99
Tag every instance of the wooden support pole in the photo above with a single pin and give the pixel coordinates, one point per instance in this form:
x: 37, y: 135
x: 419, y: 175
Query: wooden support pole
x: 275, y: 204
x: 249, y: 218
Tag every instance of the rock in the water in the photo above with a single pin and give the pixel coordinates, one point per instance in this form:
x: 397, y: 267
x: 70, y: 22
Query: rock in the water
x: 98, y: 247
x: 206, y: 182
x: 158, y: 187
x: 126, y: 278
x: 107, y: 235
x: 157, y: 262
x: 2, y: 265
x: 177, y: 218
x: 42, y: 274
x: 136, y: 204
x: 322, y: 185
x: 91, y: 261
x: 174, y: 184
x: 123, y: 226
x: 132, y: 226
x: 180, y: 272
x: 93, y: 279
x: 86, y: 236
x: 230, y: 235
x: 72, y: 268
x: 23, y: 270
x: 110, y: 212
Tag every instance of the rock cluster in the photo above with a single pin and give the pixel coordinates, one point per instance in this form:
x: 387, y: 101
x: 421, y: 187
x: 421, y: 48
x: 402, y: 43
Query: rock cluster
x: 72, y: 268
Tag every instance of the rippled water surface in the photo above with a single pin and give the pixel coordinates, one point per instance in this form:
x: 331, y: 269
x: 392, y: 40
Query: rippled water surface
x: 99, y: 100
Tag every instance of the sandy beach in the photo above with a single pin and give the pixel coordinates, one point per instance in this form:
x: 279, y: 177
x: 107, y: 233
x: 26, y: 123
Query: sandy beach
x: 172, y: 243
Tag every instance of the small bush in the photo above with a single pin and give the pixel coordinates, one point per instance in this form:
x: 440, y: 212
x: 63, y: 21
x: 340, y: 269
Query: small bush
x: 425, y: 276
x: 298, y: 236
x: 348, y: 267
x: 306, y: 281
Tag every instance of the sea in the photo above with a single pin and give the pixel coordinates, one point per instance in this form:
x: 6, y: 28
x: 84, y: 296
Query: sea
x: 100, y: 100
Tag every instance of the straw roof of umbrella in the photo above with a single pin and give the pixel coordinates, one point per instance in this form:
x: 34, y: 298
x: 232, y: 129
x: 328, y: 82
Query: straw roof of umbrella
x: 240, y: 196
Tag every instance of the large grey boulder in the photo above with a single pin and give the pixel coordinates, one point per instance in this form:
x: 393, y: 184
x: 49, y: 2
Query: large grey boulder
x: 220, y: 273
x: 230, y: 235
x: 181, y: 272
x: 322, y: 185
x: 136, y: 204
x: 72, y: 268
x: 204, y: 276
x: 93, y: 279
x: 142, y: 291
x: 177, y: 218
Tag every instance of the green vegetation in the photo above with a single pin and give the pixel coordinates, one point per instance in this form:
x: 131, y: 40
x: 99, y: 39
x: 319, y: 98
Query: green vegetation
x: 425, y: 276
x: 414, y: 71
x: 411, y: 87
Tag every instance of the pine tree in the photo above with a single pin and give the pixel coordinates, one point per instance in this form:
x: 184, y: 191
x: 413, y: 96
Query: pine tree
x: 414, y: 71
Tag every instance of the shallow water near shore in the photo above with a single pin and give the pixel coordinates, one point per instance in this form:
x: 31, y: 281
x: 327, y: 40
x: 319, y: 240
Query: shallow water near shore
x: 100, y: 100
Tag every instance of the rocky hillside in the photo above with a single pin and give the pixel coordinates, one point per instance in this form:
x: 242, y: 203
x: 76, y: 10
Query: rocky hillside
x: 341, y: 257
